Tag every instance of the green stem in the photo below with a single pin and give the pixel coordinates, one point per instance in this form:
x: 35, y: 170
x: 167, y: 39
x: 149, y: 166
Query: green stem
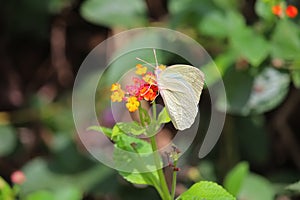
x: 174, y: 180
x: 150, y: 178
x: 154, y: 111
x: 162, y: 179
x: 141, y: 117
x: 163, y: 183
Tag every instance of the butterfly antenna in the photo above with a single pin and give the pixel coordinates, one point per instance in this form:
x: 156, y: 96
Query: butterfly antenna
x: 145, y: 62
x: 155, y: 57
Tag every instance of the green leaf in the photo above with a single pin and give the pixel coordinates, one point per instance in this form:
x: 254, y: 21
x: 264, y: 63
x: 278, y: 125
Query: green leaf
x: 216, y: 69
x: 263, y: 9
x: 250, y: 45
x: 45, y: 175
x: 234, y: 179
x: 295, y: 187
x: 238, y: 85
x: 256, y: 187
x: 43, y: 194
x: 163, y: 116
x: 152, y: 129
x: 128, y: 14
x: 5, y: 190
x: 227, y: 5
x: 213, y: 24
x: 188, y: 12
x: 116, y: 131
x: 8, y: 140
x: 220, y: 25
x: 244, y: 41
x: 68, y: 193
x: 235, y: 22
x: 101, y: 129
x: 269, y: 90
x: 131, y: 128
x: 206, y: 190
x: 254, y: 95
x: 296, y: 78
x: 132, y: 144
x: 285, y: 40
x: 295, y: 72
x: 137, y: 161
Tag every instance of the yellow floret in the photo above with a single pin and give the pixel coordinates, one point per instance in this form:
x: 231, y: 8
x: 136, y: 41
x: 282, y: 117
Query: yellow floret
x: 132, y: 104
x: 140, y: 69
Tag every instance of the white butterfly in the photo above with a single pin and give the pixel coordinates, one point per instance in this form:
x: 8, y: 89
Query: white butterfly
x: 180, y: 87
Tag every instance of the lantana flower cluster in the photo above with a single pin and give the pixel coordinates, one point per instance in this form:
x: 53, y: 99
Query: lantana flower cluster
x: 144, y: 88
x: 290, y: 11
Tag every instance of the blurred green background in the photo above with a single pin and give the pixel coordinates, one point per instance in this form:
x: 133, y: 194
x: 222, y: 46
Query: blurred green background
x: 43, y: 44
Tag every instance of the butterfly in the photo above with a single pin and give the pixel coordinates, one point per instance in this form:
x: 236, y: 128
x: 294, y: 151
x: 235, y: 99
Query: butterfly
x: 180, y: 87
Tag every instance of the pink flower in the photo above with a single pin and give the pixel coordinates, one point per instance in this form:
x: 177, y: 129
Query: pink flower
x: 18, y: 177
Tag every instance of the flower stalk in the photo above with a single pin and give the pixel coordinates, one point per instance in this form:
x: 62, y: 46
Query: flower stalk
x: 162, y: 179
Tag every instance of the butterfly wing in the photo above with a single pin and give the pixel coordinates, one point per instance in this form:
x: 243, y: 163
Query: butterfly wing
x: 180, y: 87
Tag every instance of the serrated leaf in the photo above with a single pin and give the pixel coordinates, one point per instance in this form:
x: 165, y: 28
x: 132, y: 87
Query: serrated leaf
x: 131, y: 128
x: 206, y: 190
x: 128, y: 14
x: 163, y: 116
x: 101, y: 129
x: 234, y: 179
x: 256, y: 187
